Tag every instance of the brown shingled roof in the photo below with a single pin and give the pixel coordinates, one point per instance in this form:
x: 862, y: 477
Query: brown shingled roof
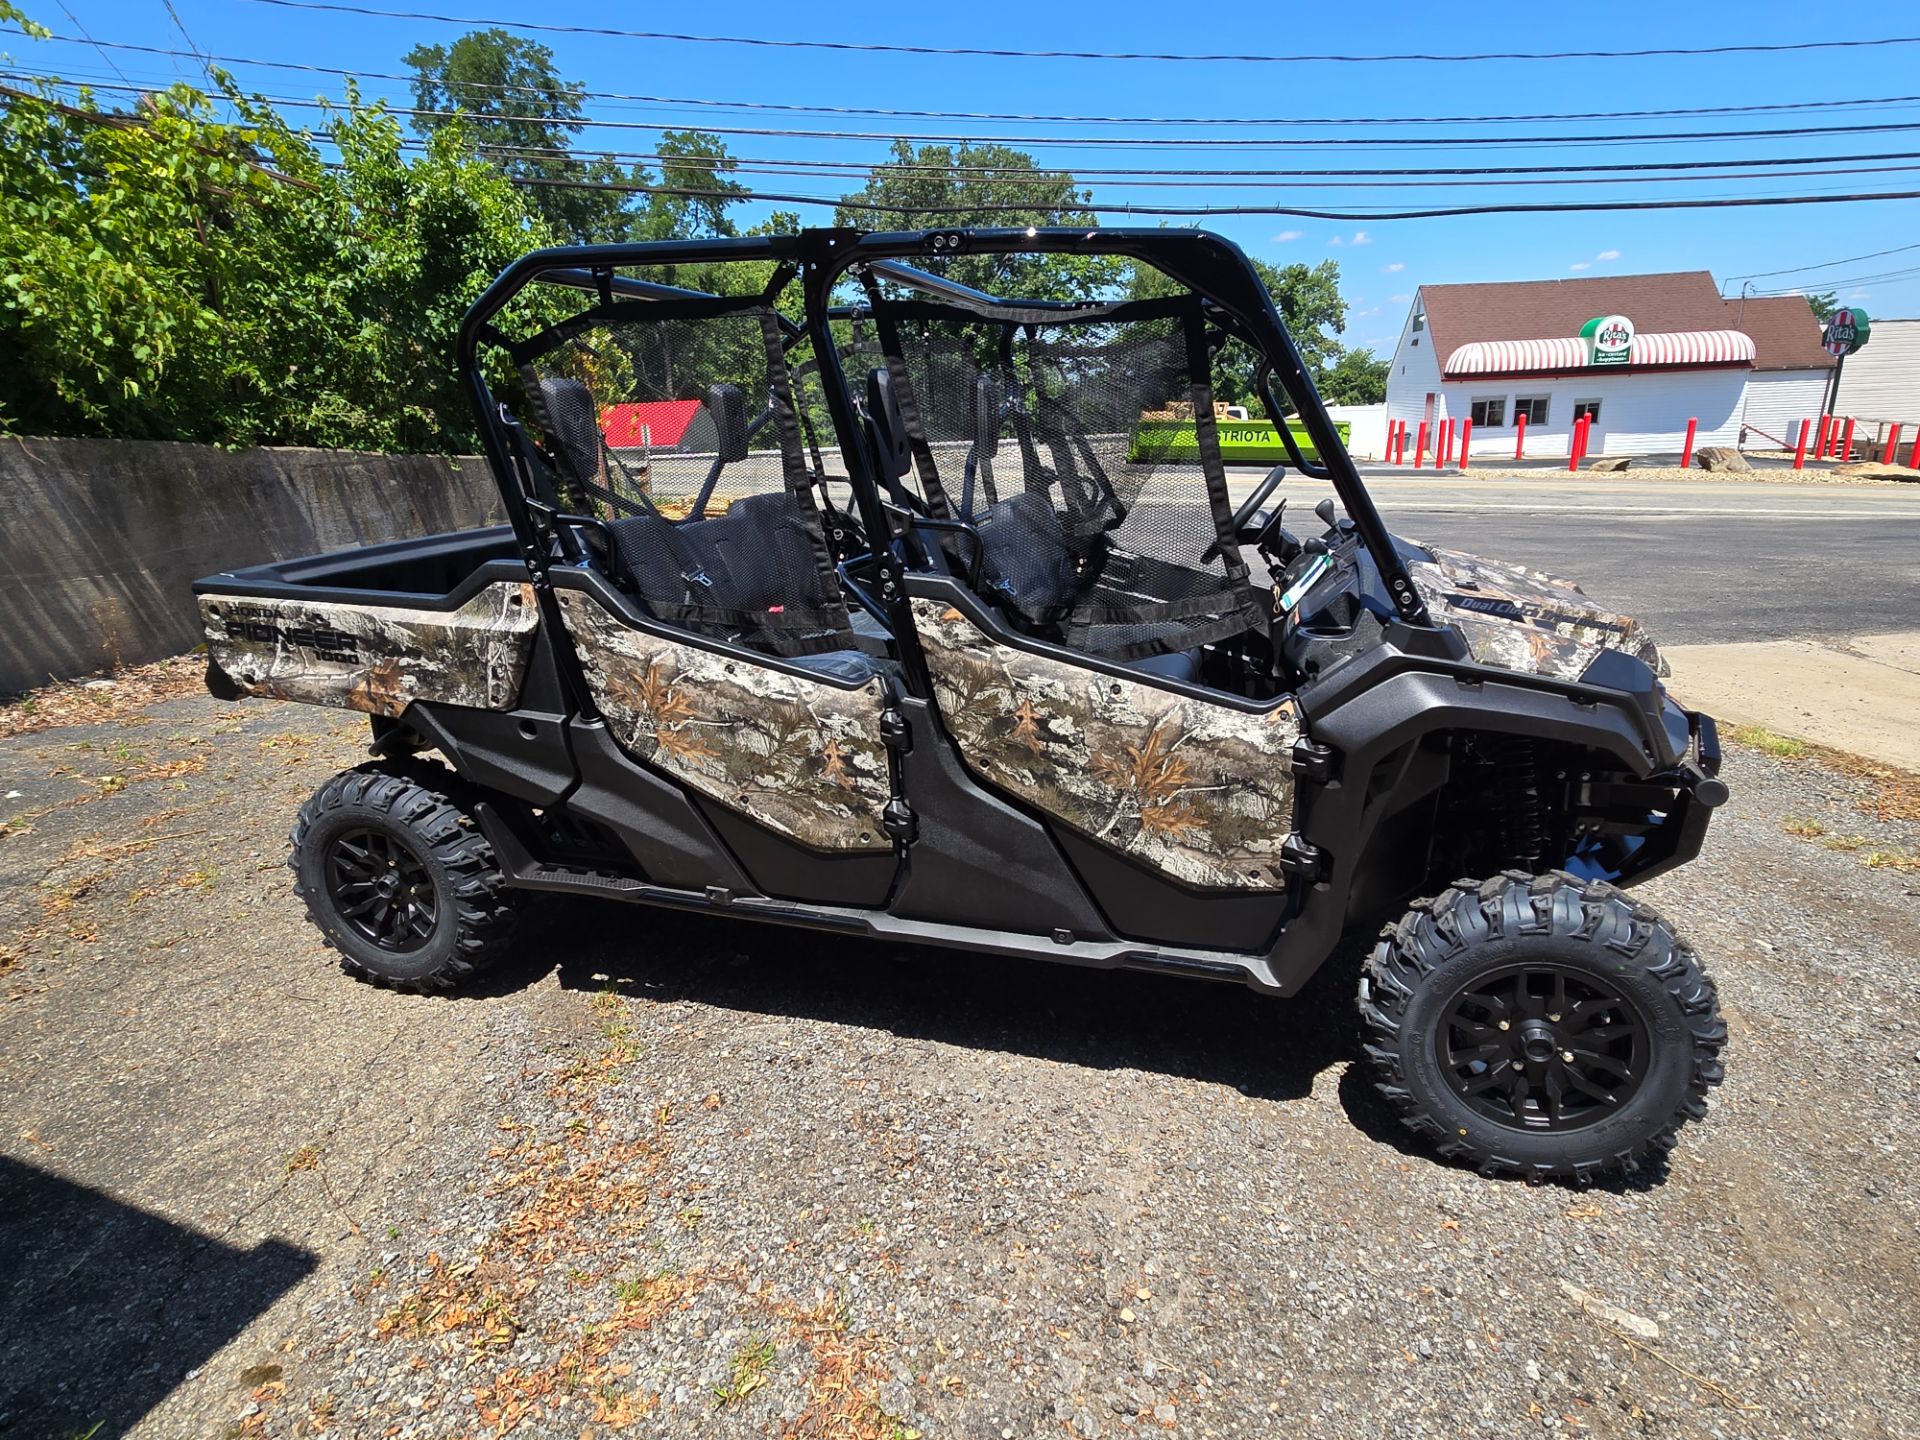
x: 1785, y: 335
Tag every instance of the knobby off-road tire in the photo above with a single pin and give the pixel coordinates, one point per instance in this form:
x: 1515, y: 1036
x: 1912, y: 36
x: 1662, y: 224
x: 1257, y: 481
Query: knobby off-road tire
x: 398, y: 877
x: 1541, y: 1026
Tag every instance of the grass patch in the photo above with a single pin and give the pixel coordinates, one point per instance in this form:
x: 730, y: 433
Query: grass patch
x: 1805, y: 829
x: 1770, y: 742
x: 749, y: 1371
x: 1892, y: 793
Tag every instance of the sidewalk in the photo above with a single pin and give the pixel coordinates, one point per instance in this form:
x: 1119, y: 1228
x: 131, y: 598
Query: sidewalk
x: 1861, y: 694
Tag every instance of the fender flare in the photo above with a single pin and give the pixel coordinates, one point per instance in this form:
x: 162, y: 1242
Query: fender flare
x: 1367, y: 722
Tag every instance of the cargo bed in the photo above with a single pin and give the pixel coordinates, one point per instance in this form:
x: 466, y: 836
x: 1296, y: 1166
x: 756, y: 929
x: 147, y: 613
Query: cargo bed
x: 448, y: 618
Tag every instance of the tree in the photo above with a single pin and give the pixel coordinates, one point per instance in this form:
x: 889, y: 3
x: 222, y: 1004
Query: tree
x: 1308, y: 299
x: 521, y: 113
x: 968, y: 186
x: 1356, y: 378
x: 515, y: 106
x: 167, y: 275
x: 1823, y: 303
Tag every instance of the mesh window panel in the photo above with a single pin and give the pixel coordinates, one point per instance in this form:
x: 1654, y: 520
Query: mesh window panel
x: 1084, y: 453
x: 681, y: 433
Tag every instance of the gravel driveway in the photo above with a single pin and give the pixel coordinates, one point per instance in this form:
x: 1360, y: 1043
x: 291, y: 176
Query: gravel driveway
x: 670, y: 1176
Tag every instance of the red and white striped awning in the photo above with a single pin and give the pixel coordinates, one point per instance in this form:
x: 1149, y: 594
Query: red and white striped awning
x: 1570, y: 352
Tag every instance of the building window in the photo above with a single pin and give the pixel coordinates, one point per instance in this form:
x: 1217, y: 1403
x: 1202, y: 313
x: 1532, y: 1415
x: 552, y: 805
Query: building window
x: 1586, y: 410
x: 1419, y: 321
x: 1490, y: 412
x: 1531, y: 408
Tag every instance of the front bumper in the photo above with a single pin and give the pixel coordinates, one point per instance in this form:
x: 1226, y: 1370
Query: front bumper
x: 1698, y: 792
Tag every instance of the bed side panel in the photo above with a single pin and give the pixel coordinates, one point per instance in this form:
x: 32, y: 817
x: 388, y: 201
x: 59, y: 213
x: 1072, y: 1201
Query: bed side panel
x: 375, y: 658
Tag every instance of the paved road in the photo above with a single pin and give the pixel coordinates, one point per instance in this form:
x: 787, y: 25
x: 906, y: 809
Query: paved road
x: 1702, y: 562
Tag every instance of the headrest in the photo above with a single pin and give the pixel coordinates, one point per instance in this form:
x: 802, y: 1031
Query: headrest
x: 888, y: 428
x: 573, y: 424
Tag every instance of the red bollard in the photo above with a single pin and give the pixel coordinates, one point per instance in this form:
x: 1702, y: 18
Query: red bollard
x: 1420, y: 445
x: 1466, y: 434
x: 1893, y: 446
x: 1800, y: 447
x: 1400, y: 444
x: 1576, y: 442
x: 1446, y: 441
x: 1520, y: 436
x: 1846, y: 442
x: 1686, y: 451
x: 1913, y: 455
x: 1393, y: 441
x: 1820, y: 444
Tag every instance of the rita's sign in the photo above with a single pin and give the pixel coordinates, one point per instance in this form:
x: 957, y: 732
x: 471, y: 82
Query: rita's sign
x: 1846, y: 331
x: 1609, y: 340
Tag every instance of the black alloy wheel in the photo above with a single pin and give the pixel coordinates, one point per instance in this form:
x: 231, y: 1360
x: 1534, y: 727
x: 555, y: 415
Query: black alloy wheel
x: 1543, y: 1047
x: 381, y: 889
x: 399, y: 878
x: 1541, y: 1025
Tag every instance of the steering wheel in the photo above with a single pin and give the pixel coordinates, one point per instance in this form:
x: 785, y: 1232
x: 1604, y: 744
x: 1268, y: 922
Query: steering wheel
x: 1250, y: 507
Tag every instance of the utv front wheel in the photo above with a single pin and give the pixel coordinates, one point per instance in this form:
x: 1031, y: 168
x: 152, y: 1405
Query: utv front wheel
x: 399, y: 879
x: 1541, y: 1026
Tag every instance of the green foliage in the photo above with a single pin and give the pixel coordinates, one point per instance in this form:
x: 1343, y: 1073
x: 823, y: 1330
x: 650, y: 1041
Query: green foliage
x: 168, y: 275
x: 966, y: 184
x: 165, y: 275
x: 1823, y: 303
x: 1309, y: 300
x: 1356, y: 378
x: 523, y: 116
x: 506, y: 93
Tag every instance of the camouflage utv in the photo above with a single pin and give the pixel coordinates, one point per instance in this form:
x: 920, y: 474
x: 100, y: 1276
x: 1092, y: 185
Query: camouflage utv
x: 839, y: 593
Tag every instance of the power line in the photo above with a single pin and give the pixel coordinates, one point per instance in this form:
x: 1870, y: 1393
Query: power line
x: 89, y: 39
x: 867, y: 207
x: 879, y: 48
x: 1142, y: 142
x: 1774, y: 107
x: 180, y: 25
x: 1188, y: 178
x: 1528, y: 208
x: 1883, y: 277
x: 1192, y: 180
x: 1826, y: 265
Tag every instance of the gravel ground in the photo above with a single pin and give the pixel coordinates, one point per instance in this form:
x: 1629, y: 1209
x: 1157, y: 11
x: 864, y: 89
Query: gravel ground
x: 668, y: 1176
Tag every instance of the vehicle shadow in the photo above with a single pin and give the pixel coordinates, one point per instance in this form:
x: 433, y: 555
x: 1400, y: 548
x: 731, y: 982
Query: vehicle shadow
x: 107, y: 1307
x: 1219, y: 1033
x: 1213, y: 1032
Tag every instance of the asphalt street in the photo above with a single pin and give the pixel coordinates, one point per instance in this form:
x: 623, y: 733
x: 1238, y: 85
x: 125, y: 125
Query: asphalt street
x: 1701, y: 562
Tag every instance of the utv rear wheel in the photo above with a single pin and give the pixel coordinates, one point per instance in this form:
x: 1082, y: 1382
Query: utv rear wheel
x: 1541, y: 1026
x: 398, y: 877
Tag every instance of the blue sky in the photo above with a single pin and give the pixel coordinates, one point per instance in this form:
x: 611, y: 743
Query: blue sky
x: 1381, y: 261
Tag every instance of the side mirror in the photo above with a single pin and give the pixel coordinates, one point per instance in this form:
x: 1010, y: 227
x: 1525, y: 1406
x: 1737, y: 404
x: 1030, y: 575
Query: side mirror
x: 727, y: 404
x: 887, y: 429
x: 986, y: 417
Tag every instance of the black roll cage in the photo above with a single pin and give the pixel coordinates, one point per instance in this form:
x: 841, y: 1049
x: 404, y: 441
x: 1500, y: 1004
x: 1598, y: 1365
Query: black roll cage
x: 1212, y: 267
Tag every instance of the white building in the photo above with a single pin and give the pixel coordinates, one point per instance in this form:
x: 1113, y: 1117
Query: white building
x: 1641, y: 354
x: 1880, y: 383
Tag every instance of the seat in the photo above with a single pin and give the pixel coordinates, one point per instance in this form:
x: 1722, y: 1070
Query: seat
x: 1026, y: 561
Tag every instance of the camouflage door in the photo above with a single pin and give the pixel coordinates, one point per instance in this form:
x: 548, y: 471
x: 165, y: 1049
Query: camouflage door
x: 1200, y: 790
x: 675, y: 425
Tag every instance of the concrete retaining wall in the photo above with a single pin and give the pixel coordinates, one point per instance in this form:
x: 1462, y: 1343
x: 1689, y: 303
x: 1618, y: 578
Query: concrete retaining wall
x: 100, y: 540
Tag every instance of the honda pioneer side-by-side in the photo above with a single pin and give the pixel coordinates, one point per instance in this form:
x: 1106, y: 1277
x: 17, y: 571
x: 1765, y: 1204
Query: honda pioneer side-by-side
x: 847, y: 585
